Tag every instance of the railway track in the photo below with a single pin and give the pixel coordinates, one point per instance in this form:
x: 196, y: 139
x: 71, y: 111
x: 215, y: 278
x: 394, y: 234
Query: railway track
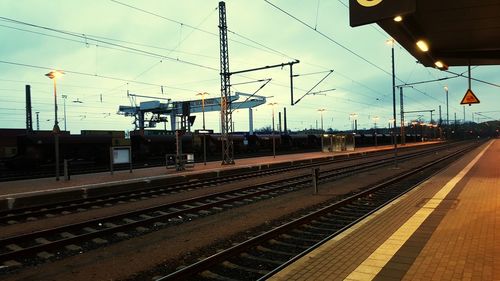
x: 20, y: 215
x: 260, y: 257
x: 55, y: 243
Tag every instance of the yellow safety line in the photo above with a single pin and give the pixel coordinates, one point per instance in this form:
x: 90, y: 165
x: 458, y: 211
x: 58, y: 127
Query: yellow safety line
x: 369, y: 268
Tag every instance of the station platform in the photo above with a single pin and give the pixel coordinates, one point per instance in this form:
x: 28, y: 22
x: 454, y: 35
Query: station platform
x: 448, y: 228
x: 26, y: 187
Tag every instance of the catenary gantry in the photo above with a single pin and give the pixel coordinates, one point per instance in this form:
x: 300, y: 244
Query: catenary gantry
x: 150, y: 113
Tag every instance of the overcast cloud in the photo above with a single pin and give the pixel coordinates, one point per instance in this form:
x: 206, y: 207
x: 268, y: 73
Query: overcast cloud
x: 360, y: 87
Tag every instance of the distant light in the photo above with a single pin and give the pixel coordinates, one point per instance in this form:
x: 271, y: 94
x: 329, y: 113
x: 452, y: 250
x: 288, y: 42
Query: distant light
x: 422, y: 45
x: 446, y: 88
x: 398, y: 18
x: 55, y: 74
x: 439, y: 64
x: 390, y: 42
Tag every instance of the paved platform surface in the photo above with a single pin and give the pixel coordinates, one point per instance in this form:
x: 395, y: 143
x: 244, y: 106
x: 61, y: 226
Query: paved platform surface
x: 446, y: 229
x: 25, y: 187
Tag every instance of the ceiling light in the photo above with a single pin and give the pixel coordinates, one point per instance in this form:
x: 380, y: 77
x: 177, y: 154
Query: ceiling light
x: 398, y: 18
x: 422, y: 45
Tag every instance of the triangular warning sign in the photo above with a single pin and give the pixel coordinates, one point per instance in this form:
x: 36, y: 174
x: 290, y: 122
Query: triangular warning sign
x: 469, y: 98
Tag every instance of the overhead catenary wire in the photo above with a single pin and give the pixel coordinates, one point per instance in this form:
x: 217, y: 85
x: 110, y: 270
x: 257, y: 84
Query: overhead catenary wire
x: 329, y: 38
x: 343, y: 46
x: 83, y: 36
x: 95, y: 75
x: 86, y: 37
x: 201, y: 29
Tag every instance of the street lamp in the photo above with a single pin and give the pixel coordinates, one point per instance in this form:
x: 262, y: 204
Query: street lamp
x: 447, y: 113
x: 272, y: 104
x: 65, y: 97
x: 390, y: 122
x: 54, y: 75
x: 392, y: 42
x: 204, y: 134
x: 321, y: 110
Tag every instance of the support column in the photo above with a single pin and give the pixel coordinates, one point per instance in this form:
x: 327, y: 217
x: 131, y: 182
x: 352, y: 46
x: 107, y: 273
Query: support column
x: 284, y: 121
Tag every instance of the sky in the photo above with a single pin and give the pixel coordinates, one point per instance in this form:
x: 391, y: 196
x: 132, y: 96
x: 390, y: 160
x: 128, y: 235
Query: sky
x: 170, y: 49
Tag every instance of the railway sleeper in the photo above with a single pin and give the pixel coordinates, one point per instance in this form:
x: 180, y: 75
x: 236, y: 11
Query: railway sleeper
x: 260, y: 259
x: 302, y: 239
x: 204, y: 212
x: 13, y: 248
x: 67, y: 235
x: 307, y: 233
x: 207, y: 274
x: 323, y: 229
x: 275, y: 252
x: 363, y: 206
x: 45, y: 255
x: 349, y: 213
x: 333, y: 221
x: 11, y: 264
x: 291, y: 245
x: 73, y: 248
x: 232, y: 265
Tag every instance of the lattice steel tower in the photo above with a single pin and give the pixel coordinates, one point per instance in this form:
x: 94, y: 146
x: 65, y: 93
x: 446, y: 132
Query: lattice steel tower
x: 225, y: 94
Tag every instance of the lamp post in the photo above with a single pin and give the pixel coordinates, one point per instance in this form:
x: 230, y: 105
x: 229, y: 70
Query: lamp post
x: 415, y: 123
x: 321, y: 110
x: 54, y: 75
x: 203, y: 117
x: 272, y: 104
x: 65, y: 97
x: 391, y: 42
x: 375, y: 119
x: 389, y: 126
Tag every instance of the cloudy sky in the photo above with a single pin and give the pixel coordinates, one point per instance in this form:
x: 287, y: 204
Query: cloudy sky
x: 170, y: 49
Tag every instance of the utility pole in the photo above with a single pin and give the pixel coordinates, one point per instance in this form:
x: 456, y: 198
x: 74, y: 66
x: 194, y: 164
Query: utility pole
x: 29, y: 121
x: 440, y: 117
x: 37, y: 121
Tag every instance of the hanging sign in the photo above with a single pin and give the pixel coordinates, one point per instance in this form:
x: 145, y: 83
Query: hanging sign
x: 469, y: 98
x: 369, y: 11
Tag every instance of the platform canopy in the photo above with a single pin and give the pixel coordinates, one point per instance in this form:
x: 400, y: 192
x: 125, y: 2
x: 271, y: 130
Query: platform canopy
x: 457, y: 32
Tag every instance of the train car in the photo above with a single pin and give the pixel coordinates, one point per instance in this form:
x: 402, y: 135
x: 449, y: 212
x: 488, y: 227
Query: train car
x: 38, y: 149
x: 8, y: 142
x: 264, y: 142
x: 150, y: 147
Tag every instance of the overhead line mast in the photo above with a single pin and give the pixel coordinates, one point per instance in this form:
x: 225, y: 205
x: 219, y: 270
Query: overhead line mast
x: 225, y: 94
